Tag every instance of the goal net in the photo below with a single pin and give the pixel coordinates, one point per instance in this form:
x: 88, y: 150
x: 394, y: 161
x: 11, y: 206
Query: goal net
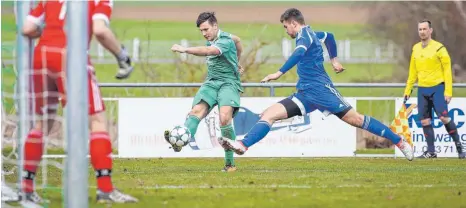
x: 19, y: 104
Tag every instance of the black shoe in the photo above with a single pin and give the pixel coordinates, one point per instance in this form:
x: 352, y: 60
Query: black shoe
x: 428, y: 154
x: 462, y: 155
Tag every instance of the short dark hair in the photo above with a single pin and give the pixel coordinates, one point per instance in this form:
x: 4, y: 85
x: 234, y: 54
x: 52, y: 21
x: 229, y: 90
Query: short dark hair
x: 292, y: 14
x: 426, y: 20
x: 206, y: 16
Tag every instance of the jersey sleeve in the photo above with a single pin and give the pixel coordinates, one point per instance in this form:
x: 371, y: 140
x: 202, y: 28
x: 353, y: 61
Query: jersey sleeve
x: 328, y: 39
x: 103, y: 10
x: 223, y: 44
x: 322, y: 36
x: 303, y: 40
x: 445, y: 60
x: 36, y: 15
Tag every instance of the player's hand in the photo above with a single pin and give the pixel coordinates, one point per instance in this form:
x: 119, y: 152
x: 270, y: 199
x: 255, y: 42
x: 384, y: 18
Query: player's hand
x: 178, y: 48
x: 405, y: 98
x: 240, y: 70
x: 448, y: 99
x: 337, y: 67
x: 124, y: 64
x: 273, y: 76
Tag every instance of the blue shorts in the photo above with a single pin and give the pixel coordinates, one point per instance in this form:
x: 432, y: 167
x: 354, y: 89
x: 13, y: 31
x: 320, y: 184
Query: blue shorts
x: 324, y: 98
x: 432, y: 98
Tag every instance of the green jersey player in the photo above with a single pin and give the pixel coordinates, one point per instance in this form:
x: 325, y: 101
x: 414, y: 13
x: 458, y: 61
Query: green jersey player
x: 222, y: 86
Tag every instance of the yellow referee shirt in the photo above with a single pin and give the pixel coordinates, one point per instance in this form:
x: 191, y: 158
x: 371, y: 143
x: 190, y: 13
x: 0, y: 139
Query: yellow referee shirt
x: 430, y: 66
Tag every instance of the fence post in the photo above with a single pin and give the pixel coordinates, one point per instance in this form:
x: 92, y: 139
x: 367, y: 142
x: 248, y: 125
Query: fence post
x: 136, y: 49
x: 184, y: 43
x: 100, y: 52
x: 347, y: 50
x: 286, y: 48
x: 272, y: 91
x: 378, y: 53
x: 391, y: 50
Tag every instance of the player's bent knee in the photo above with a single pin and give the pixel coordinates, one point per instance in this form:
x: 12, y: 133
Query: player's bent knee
x: 226, y: 115
x: 98, y: 122
x: 445, y: 119
x: 352, y: 117
x: 225, y: 120
x: 278, y: 111
x: 425, y: 122
x: 199, y: 110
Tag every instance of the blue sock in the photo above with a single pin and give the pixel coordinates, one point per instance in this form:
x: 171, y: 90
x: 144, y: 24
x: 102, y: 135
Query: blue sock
x: 379, y: 129
x: 257, y: 133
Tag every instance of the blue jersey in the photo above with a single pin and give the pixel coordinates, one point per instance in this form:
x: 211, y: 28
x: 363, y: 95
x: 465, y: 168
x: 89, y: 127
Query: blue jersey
x: 311, y: 71
x: 315, y: 89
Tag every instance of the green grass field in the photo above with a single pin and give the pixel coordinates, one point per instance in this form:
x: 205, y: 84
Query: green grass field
x: 282, y: 182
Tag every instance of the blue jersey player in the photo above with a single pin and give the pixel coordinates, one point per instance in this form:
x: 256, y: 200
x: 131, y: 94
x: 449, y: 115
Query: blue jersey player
x: 315, y: 90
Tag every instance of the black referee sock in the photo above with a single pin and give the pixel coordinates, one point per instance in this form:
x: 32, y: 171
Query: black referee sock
x: 430, y: 136
x: 453, y: 132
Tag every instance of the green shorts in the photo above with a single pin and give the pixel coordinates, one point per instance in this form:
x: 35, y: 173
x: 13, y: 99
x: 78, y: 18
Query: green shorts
x: 218, y: 93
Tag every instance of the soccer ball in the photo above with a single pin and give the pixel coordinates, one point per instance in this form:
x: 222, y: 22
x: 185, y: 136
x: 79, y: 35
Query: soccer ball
x: 179, y: 136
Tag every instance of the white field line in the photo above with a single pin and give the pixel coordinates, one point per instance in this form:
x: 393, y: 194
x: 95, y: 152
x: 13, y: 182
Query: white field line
x: 287, y: 186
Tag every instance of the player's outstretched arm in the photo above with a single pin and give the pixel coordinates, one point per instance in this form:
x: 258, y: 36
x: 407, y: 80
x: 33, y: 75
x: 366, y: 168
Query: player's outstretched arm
x: 197, y: 51
x: 292, y: 61
x: 108, y: 40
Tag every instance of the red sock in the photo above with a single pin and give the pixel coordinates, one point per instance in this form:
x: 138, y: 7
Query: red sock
x: 100, y: 150
x: 33, y: 149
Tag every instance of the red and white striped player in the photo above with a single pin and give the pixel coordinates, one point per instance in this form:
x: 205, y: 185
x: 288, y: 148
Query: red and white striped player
x: 49, y: 85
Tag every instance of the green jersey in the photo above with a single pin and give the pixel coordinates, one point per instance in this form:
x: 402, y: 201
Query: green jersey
x: 224, y: 67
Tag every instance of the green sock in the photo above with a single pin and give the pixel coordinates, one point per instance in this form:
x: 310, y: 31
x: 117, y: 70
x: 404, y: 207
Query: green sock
x: 228, y: 132
x: 192, y: 122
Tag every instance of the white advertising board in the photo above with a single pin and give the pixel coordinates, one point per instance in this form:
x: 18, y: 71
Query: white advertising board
x: 444, y: 145
x: 142, y: 122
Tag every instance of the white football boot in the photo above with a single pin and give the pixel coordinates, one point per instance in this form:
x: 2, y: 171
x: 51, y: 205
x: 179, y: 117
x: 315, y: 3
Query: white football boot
x: 236, y: 145
x: 406, y: 148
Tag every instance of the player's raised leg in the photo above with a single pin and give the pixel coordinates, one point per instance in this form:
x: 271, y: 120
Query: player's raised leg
x: 203, y: 102
x: 374, y: 126
x: 198, y: 112
x: 286, y: 108
x: 100, y: 149
x: 327, y: 98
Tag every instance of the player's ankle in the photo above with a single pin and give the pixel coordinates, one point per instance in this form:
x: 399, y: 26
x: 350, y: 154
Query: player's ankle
x: 242, y: 144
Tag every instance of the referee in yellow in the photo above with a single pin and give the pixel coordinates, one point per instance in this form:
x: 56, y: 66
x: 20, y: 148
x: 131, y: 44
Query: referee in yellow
x: 430, y: 66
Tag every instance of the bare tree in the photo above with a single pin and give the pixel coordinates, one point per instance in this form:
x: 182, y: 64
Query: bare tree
x: 397, y: 22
